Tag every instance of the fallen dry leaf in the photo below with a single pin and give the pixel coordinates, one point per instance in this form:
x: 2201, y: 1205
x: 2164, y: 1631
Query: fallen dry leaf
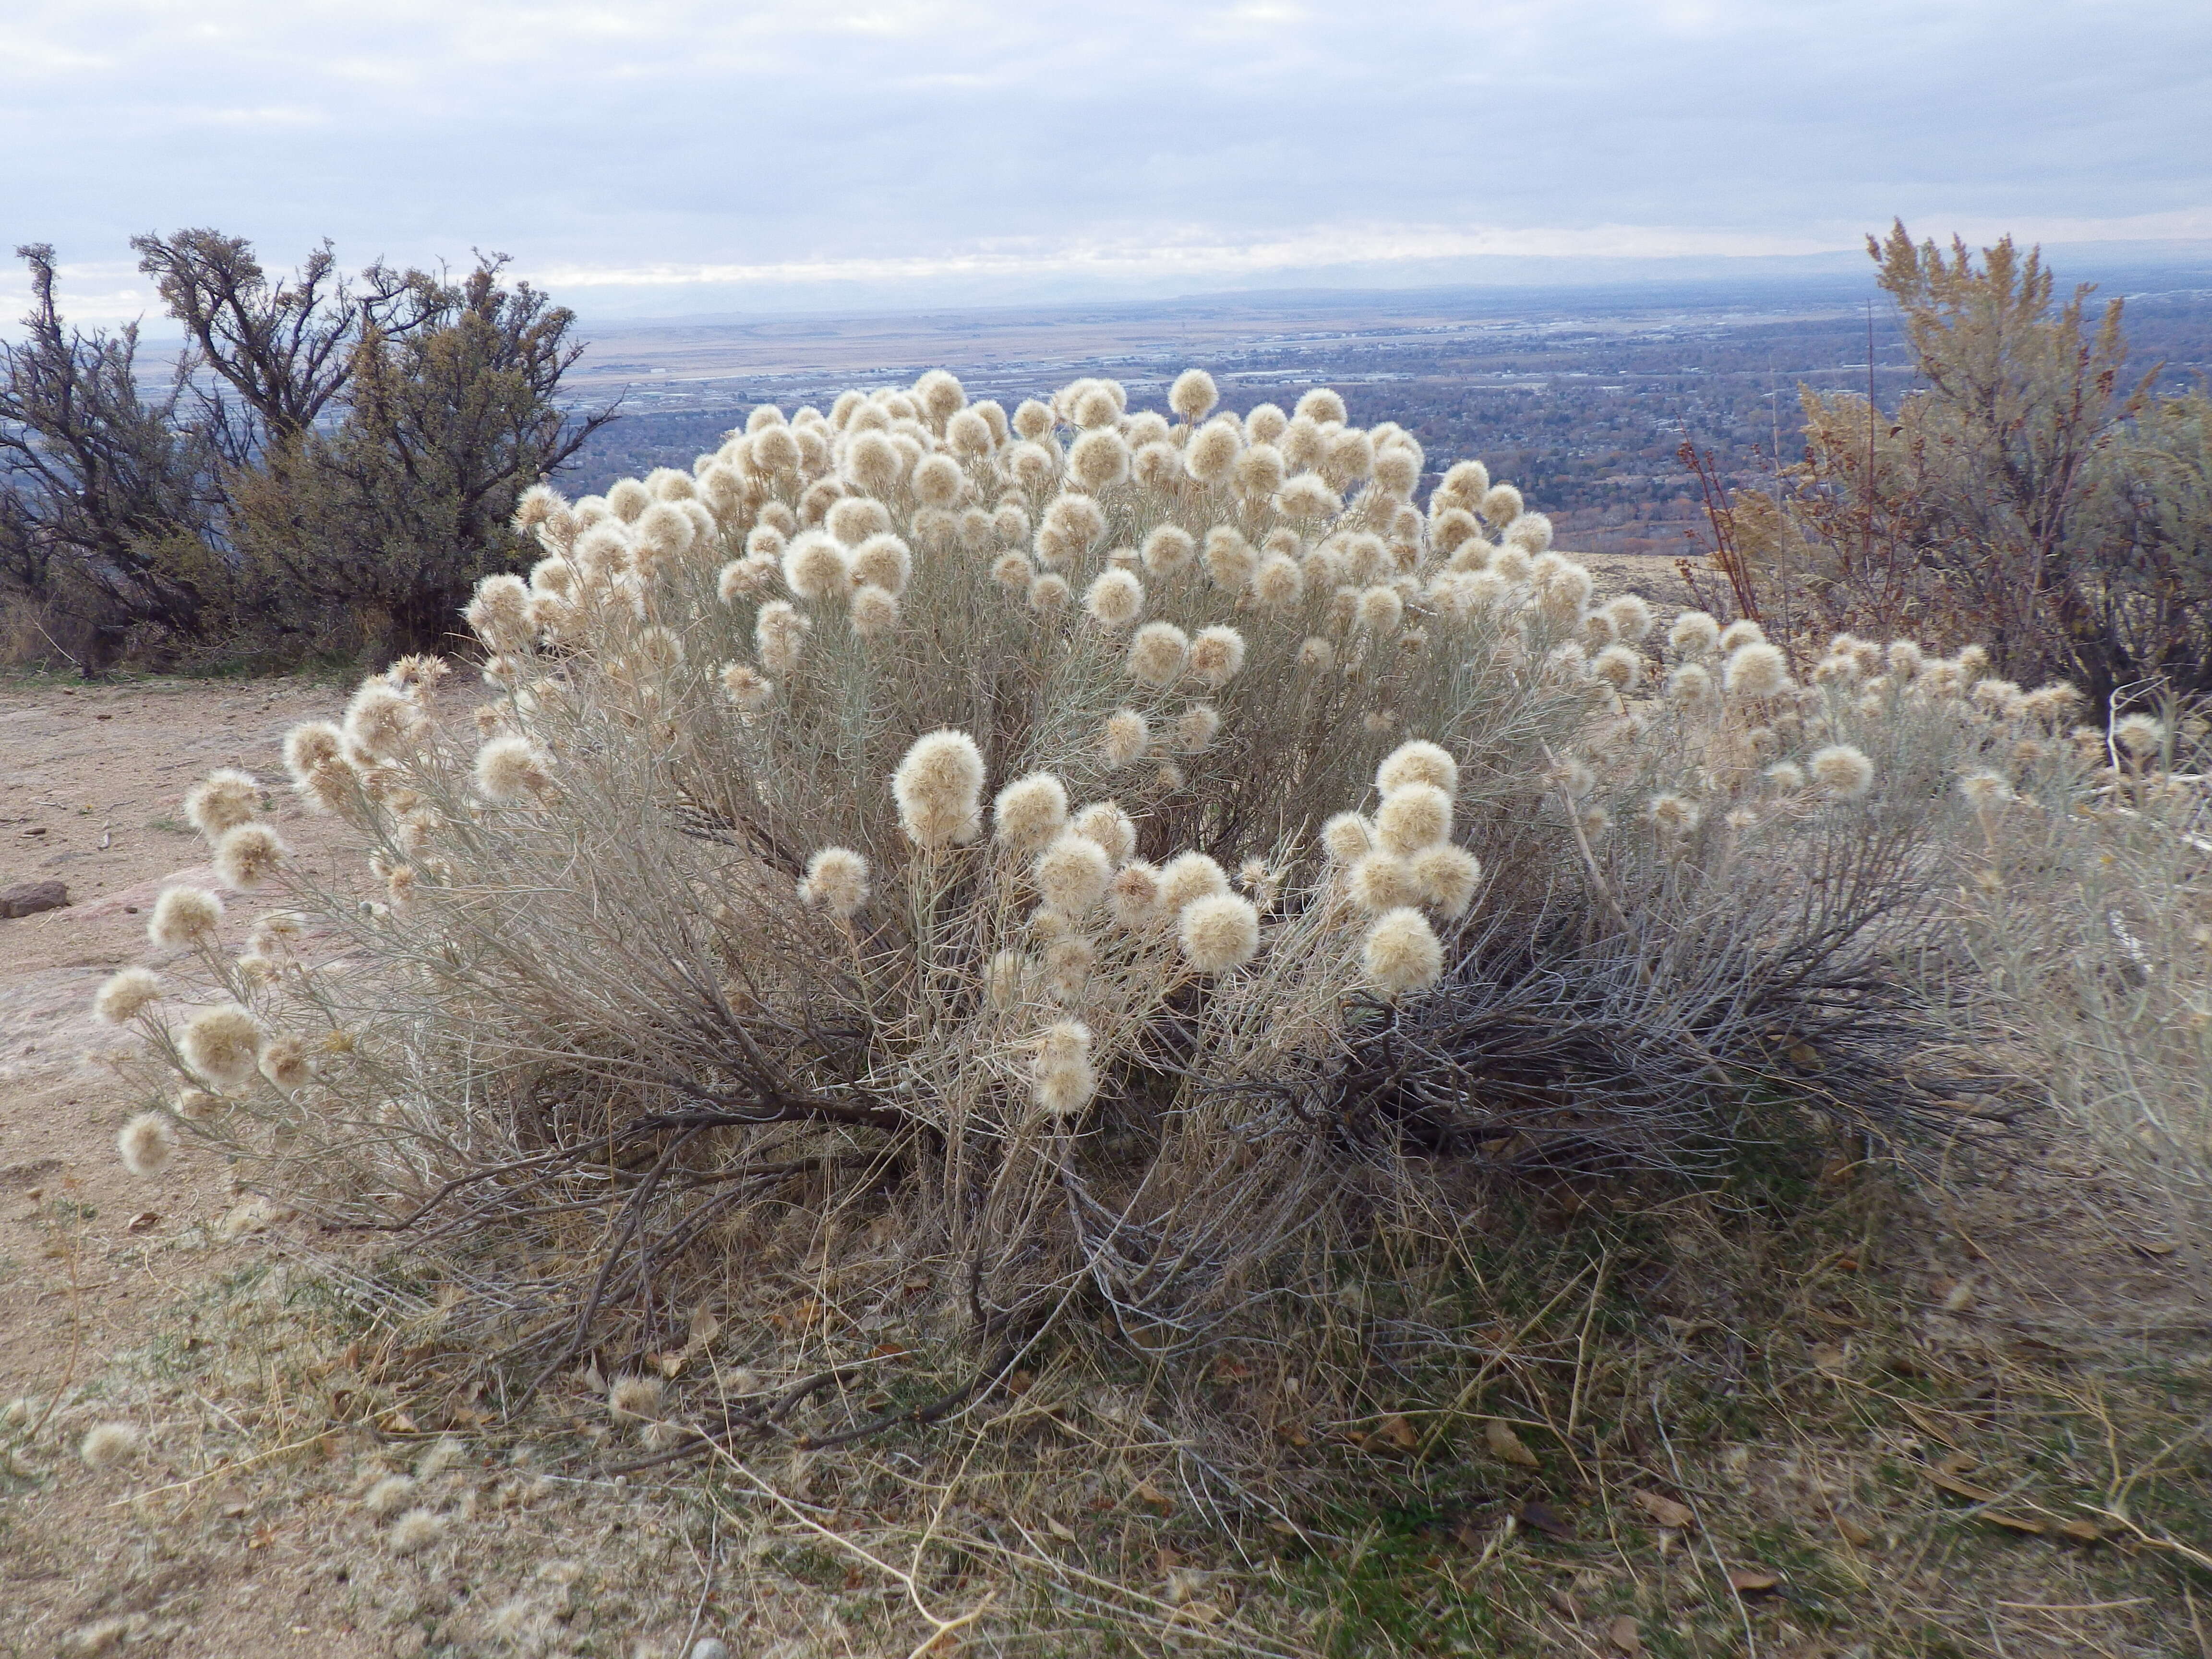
x: 1059, y: 1529
x: 2014, y: 1523
x: 1853, y: 1533
x: 1752, y: 1581
x: 1953, y: 1463
x: 144, y: 1221
x: 2152, y: 1246
x: 2081, y: 1532
x: 1145, y: 1492
x: 1505, y: 1445
x: 1543, y: 1518
x: 1625, y: 1637
x: 1399, y: 1433
x: 1677, y: 1518
x: 1957, y: 1488
x: 1829, y: 1357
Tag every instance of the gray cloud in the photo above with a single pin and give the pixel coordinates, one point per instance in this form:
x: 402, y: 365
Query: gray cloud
x: 683, y: 155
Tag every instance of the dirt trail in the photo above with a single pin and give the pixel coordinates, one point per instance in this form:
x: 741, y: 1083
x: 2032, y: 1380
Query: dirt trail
x: 91, y: 1259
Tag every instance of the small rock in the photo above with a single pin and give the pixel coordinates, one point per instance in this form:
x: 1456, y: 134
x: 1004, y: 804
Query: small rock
x: 708, y: 1647
x: 32, y: 896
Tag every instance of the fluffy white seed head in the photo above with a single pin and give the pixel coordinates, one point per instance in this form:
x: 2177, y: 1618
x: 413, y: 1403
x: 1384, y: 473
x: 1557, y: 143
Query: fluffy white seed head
x: 1740, y: 632
x: 1105, y: 822
x: 1630, y: 616
x: 1158, y: 654
x: 1099, y: 459
x: 836, y: 879
x: 1448, y: 877
x: 814, y: 567
x: 1189, y: 876
x: 389, y: 1496
x: 1277, y: 583
x: 1500, y: 505
x: 1347, y: 837
x: 1413, y: 816
x: 747, y: 687
x: 1619, y: 667
x: 416, y: 1531
x: 1115, y: 598
x: 1048, y: 593
x: 1531, y: 531
x: 1308, y: 495
x: 1072, y: 874
x: 1214, y: 451
x: 509, y: 767
x: 1842, y: 770
x: 1465, y: 481
x: 1320, y: 404
x: 1124, y: 738
x: 1195, y: 727
x: 1169, y: 549
x: 852, y: 519
x: 1265, y: 423
x: 1137, y: 900
x: 1061, y: 1079
x: 108, y: 1444
x: 939, y: 789
x: 1380, y: 610
x: 1219, y: 931
x: 1787, y: 777
x: 223, y: 1046
x: 1260, y: 471
x: 384, y: 722
x: 147, y: 1143
x: 1216, y: 655
x: 779, y: 636
x: 1419, y: 760
x: 285, y: 1062
x: 121, y: 999
x: 1690, y: 685
x: 633, y: 1399
x: 1031, y: 811
x: 1193, y: 395
x: 1756, y: 669
x: 1401, y: 954
x: 1397, y: 470
x: 882, y: 560
x: 1384, y: 881
x: 1671, y: 815
x: 183, y: 915
x: 1229, y: 559
x: 2140, y: 736
x: 874, y: 611
x: 221, y: 801
x: 1986, y: 791
x: 248, y: 854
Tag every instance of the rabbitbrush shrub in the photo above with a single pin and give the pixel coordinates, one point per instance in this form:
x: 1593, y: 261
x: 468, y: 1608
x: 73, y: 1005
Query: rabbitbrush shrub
x: 1107, y: 854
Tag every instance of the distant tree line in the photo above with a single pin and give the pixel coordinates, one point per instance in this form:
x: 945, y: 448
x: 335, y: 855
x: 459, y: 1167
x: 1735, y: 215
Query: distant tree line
x: 2025, y: 494
x: 326, y: 470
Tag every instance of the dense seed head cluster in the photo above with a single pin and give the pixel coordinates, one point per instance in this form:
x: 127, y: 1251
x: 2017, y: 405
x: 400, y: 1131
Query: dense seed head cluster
x: 877, y: 781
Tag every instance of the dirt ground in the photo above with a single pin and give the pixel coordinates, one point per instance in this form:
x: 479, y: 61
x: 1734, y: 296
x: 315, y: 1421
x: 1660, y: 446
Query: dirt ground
x: 91, y: 783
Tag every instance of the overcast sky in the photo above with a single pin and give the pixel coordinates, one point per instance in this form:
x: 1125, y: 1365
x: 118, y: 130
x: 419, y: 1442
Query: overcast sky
x: 658, y: 155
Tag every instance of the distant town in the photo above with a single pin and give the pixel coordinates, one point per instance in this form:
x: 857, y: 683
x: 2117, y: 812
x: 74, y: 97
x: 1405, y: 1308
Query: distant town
x: 1582, y: 397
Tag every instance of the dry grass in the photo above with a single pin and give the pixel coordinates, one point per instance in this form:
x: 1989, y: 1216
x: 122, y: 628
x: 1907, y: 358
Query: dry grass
x: 1827, y: 1373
